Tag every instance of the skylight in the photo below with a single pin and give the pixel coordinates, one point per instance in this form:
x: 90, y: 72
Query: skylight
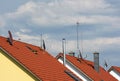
x: 32, y: 50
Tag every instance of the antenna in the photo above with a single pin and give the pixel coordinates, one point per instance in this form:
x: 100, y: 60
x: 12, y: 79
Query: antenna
x: 105, y: 64
x: 41, y: 41
x: 78, y: 49
x: 44, y: 47
x: 10, y: 38
x: 77, y: 35
x: 85, y: 57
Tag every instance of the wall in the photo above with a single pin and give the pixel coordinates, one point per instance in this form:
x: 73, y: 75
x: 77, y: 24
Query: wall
x: 11, y: 72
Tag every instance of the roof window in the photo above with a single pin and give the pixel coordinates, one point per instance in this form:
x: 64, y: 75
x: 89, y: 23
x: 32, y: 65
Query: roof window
x: 32, y: 50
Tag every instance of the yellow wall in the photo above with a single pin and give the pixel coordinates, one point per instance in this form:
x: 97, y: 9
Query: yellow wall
x: 11, y: 72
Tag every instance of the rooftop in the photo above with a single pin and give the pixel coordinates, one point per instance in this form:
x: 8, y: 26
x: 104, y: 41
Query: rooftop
x: 116, y: 68
x: 35, y: 59
x: 87, y: 67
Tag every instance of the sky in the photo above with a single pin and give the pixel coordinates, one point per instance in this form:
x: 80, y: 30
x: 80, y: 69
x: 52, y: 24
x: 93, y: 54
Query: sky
x: 99, y: 25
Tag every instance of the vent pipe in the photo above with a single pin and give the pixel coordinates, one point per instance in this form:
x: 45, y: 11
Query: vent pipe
x: 96, y: 61
x: 64, y: 50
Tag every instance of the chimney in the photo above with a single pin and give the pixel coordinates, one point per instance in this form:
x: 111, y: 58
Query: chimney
x: 72, y: 53
x: 96, y: 61
x: 64, y: 50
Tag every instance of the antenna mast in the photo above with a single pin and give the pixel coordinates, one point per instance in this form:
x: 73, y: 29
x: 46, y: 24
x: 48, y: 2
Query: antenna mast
x: 77, y: 36
x: 78, y: 49
x: 41, y: 41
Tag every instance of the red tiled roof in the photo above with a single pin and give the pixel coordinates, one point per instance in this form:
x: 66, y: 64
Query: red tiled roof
x: 116, y: 68
x: 87, y: 67
x: 38, y: 61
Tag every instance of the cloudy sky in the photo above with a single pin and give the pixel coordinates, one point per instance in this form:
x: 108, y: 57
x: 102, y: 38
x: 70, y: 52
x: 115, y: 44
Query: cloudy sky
x: 99, y: 25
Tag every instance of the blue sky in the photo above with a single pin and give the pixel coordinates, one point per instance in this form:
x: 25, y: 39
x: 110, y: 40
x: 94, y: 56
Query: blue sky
x: 99, y: 26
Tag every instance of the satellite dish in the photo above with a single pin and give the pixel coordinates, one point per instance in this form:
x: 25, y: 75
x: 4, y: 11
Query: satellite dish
x: 10, y: 38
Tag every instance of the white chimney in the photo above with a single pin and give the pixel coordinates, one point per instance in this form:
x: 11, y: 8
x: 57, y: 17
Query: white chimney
x: 64, y: 50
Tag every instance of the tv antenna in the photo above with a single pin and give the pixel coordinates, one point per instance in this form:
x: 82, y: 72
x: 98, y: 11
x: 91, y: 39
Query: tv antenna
x: 78, y: 49
x: 44, y: 46
x: 105, y: 65
x: 10, y: 38
x: 41, y: 39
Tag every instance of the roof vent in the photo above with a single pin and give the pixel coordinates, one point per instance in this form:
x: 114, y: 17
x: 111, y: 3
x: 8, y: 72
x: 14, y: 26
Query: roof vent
x: 10, y: 38
x: 32, y: 50
x: 72, y: 53
x: 64, y: 50
x: 72, y: 75
x: 96, y: 61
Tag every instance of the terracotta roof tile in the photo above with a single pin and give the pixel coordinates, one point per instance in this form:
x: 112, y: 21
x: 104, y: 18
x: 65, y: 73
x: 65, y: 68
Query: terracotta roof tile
x: 116, y: 68
x: 40, y: 63
x: 88, y: 68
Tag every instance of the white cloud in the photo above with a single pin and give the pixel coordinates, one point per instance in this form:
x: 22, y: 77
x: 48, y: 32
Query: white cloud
x: 35, y: 40
x: 24, y: 10
x: 25, y: 30
x: 101, y: 43
x: 68, y: 12
x: 63, y: 12
x: 25, y: 37
x: 85, y: 5
x: 2, y: 23
x: 55, y: 46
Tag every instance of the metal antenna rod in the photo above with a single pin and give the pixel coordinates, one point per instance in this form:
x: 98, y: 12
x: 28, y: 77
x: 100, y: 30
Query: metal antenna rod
x: 78, y: 49
x: 77, y: 36
x: 82, y: 42
x: 41, y: 41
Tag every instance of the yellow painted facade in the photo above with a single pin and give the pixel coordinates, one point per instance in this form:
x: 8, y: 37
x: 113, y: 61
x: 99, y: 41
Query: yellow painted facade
x: 9, y: 71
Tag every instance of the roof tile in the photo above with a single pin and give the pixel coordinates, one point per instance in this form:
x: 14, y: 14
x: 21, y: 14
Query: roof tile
x: 88, y: 68
x: 116, y: 68
x: 42, y: 64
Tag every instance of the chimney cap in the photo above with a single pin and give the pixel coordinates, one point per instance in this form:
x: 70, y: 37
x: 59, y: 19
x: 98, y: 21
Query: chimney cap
x: 63, y: 39
x: 72, y: 53
x: 96, y: 52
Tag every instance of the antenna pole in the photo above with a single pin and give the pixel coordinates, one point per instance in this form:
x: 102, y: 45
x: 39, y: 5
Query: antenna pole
x: 78, y: 49
x: 82, y: 42
x: 77, y: 36
x: 41, y: 41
